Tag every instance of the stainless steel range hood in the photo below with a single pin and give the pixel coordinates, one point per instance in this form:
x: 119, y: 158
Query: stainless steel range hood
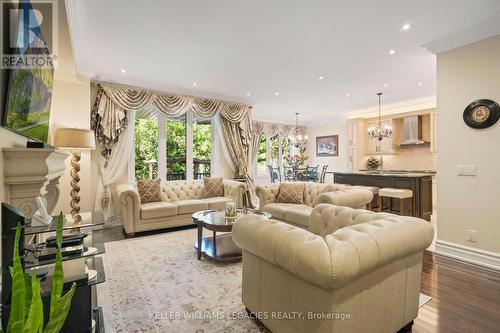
x: 412, y: 134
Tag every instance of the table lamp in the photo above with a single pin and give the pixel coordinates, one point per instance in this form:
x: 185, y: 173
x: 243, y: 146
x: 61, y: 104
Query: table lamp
x: 76, y: 139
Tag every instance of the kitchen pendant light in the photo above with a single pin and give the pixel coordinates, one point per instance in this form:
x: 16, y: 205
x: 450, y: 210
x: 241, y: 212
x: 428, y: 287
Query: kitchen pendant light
x: 378, y: 132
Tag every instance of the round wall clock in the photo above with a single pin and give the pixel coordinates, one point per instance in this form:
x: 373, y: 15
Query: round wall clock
x: 481, y: 113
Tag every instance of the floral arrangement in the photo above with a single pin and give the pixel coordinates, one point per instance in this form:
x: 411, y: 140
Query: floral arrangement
x: 295, y: 159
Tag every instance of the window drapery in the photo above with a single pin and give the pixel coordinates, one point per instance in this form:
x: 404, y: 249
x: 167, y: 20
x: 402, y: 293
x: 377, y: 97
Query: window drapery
x: 109, y: 120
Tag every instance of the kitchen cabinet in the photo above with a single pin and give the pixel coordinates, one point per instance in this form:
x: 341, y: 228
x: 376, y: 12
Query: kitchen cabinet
x: 355, y: 143
x: 379, y: 147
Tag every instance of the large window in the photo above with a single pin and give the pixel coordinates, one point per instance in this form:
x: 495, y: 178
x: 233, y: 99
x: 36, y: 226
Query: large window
x: 262, y: 155
x: 202, y: 147
x: 173, y: 148
x: 146, y: 148
x: 272, y: 151
x: 176, y: 148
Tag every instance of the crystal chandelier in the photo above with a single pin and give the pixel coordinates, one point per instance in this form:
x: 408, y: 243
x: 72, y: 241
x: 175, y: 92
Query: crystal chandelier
x: 297, y: 139
x: 378, y: 132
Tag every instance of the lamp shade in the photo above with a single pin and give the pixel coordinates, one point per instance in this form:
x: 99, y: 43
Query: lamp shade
x: 74, y: 138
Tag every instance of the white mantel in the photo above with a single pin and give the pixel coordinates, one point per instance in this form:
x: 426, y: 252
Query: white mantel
x: 32, y: 172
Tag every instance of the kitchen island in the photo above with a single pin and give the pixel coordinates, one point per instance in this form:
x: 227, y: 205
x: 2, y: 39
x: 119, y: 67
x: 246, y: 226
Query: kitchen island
x: 419, y: 183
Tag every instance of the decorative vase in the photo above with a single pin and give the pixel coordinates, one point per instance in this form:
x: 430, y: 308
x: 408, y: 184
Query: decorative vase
x: 230, y: 209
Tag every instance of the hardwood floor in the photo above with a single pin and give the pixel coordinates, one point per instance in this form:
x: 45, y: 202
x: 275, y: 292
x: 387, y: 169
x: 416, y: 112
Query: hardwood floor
x: 464, y: 298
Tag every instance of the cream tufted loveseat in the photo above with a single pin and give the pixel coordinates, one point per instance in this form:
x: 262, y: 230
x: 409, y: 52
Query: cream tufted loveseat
x: 314, y: 193
x: 353, y: 271
x: 180, y: 199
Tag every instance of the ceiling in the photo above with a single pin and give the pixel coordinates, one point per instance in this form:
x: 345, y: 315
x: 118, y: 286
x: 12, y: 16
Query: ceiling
x: 233, y: 47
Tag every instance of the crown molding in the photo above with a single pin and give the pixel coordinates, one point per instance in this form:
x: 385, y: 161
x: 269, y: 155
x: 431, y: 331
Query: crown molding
x: 395, y: 108
x: 467, y: 36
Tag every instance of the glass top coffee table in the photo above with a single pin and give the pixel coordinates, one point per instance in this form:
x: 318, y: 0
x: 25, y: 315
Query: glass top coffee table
x: 220, y: 247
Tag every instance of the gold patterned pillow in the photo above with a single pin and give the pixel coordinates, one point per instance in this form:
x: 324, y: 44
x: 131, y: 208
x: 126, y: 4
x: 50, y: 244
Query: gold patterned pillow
x: 213, y: 187
x: 291, y: 193
x: 149, y: 190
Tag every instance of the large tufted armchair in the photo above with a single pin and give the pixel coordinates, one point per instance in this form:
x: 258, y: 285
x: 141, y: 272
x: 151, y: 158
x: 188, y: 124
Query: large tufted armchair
x: 314, y: 193
x: 180, y: 199
x: 353, y: 271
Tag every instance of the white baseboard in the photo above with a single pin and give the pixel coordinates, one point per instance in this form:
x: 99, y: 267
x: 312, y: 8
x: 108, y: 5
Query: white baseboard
x: 477, y: 257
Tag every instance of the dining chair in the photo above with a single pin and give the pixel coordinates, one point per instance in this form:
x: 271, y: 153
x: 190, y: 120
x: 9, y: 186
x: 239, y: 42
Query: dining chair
x: 323, y: 174
x: 311, y: 174
x: 275, y: 174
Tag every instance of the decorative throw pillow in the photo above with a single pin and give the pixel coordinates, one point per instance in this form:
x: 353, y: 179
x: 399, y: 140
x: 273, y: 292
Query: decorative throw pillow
x: 291, y: 193
x: 149, y: 190
x: 213, y: 187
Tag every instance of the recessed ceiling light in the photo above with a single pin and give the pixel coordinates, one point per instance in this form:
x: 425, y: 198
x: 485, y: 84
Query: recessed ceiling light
x: 420, y: 84
x: 406, y: 27
x: 348, y: 95
x: 123, y: 71
x: 248, y: 94
x: 320, y: 78
x: 386, y: 85
x: 195, y: 84
x: 277, y: 93
x: 391, y: 52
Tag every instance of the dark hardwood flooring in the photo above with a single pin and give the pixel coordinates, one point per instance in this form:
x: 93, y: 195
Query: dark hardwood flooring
x: 465, y: 298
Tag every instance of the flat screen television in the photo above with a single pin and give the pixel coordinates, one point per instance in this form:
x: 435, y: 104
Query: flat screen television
x: 28, y: 93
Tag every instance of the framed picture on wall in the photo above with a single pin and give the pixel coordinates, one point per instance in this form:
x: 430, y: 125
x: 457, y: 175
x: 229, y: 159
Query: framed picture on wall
x: 327, y: 145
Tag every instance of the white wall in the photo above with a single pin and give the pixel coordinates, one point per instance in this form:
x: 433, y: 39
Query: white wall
x: 464, y: 75
x: 332, y: 127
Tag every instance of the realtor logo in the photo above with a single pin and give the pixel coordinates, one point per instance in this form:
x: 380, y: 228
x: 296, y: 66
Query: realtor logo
x: 29, y: 34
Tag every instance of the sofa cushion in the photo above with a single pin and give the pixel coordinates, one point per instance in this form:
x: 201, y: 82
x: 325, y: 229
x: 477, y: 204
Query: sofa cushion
x: 299, y: 215
x: 278, y: 210
x: 149, y: 190
x: 153, y: 210
x: 218, y: 203
x: 292, y: 193
x: 191, y: 206
x: 213, y: 187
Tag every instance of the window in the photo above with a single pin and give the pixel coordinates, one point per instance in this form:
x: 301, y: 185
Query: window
x: 146, y: 148
x: 202, y: 147
x: 285, y: 148
x: 176, y: 148
x: 173, y: 148
x: 274, y: 146
x: 262, y: 155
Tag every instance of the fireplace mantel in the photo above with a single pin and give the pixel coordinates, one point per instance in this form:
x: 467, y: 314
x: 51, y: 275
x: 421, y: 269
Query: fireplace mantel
x: 32, y: 172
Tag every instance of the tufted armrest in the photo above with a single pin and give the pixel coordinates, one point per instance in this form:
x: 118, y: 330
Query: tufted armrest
x: 338, y: 258
x: 267, y: 193
x: 354, y: 198
x: 235, y: 190
x: 293, y: 249
x: 130, y: 206
x: 326, y: 218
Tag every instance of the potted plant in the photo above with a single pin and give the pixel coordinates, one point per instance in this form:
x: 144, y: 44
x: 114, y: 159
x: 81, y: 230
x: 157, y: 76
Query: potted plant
x: 26, y: 313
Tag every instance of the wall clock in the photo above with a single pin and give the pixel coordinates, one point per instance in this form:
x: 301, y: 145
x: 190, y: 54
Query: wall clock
x: 481, y: 113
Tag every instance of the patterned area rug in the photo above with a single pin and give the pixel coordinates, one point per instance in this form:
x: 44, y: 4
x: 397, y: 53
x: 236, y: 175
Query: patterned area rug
x: 156, y: 284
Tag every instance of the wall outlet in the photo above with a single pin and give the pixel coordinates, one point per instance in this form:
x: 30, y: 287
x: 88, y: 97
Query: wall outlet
x: 472, y: 236
x: 466, y: 170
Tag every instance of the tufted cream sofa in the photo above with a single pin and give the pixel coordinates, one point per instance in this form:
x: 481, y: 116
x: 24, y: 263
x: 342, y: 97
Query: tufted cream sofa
x: 180, y: 199
x: 314, y: 193
x: 361, y: 268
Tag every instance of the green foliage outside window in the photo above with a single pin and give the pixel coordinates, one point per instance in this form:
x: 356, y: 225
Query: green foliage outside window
x: 146, y: 146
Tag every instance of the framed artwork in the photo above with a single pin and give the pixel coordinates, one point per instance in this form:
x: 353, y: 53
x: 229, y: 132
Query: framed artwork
x: 327, y: 145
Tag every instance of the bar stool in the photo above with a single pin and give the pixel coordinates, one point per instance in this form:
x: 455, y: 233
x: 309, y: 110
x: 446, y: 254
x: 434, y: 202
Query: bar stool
x: 398, y: 193
x: 373, y: 189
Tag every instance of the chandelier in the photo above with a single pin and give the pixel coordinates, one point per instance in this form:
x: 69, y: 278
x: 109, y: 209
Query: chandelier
x: 297, y: 139
x: 378, y: 132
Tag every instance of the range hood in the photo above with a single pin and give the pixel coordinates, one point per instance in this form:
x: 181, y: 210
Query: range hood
x: 412, y: 131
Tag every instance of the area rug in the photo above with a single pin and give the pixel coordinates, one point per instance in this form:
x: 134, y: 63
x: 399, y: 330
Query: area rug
x: 156, y: 284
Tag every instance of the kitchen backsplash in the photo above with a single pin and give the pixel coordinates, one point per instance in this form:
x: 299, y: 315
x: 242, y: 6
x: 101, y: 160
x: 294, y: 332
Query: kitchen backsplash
x: 410, y: 158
